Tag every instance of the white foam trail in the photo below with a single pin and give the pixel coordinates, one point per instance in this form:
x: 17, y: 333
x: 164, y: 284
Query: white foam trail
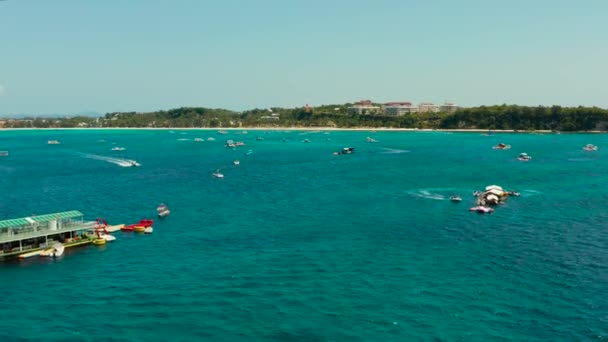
x: 117, y: 161
x: 393, y: 151
x: 425, y: 193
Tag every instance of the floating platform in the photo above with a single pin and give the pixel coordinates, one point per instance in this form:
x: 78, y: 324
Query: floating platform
x: 30, y: 254
x: 114, y: 228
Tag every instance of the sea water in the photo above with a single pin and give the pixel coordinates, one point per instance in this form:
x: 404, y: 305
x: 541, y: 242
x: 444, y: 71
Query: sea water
x: 298, y: 244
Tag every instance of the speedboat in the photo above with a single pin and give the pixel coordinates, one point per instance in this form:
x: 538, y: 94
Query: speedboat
x: 371, y: 140
x: 53, y: 142
x: 198, y: 139
x: 148, y: 230
x: 218, y: 174
x: 481, y: 209
x: 3, y: 153
x: 210, y: 139
x: 524, y: 157
x: 502, y: 146
x: 590, y: 147
x: 118, y: 148
x: 163, y: 210
x: 133, y: 163
x: 455, y: 198
x: 347, y: 150
x: 236, y: 163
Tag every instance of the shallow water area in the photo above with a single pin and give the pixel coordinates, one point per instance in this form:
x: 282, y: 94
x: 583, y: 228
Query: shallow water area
x: 298, y: 244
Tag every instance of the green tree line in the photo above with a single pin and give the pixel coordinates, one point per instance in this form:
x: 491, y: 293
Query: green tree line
x: 484, y: 117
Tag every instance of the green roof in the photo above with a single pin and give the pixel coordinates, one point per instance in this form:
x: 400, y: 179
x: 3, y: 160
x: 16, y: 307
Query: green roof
x: 16, y: 223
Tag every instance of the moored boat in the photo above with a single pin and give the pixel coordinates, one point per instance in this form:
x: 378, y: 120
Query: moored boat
x: 99, y: 241
x: 236, y: 162
x: 218, y: 174
x: 53, y: 142
x: 199, y: 139
x: 3, y: 153
x: 371, y: 140
x: 148, y: 230
x: 118, y: 148
x: 482, y: 209
x: 139, y: 229
x: 347, y: 150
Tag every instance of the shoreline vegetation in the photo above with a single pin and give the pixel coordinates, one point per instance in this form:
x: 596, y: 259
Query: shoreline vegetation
x: 502, y: 118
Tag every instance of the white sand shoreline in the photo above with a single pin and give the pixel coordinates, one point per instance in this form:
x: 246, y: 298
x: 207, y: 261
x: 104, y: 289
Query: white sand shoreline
x: 369, y: 129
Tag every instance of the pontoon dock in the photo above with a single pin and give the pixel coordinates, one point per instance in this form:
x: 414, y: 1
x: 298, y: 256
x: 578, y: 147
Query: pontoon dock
x: 28, y: 235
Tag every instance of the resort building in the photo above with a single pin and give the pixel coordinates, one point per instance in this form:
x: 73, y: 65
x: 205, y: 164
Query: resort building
x: 364, y: 107
x: 34, y: 233
x: 399, y: 108
x: 448, y: 107
x: 427, y: 107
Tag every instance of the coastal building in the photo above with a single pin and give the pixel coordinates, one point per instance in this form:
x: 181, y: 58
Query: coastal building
x: 399, y: 108
x: 35, y: 233
x: 448, y: 107
x: 273, y: 116
x: 427, y: 107
x: 364, y: 107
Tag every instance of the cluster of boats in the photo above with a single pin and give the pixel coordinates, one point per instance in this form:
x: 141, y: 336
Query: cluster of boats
x: 234, y: 144
x: 492, y: 195
x: 525, y: 157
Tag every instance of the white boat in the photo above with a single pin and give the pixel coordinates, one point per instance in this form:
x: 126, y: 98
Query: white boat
x: 456, y: 198
x: 108, y: 237
x: 222, y: 132
x: 306, y: 140
x: 250, y: 152
x: 210, y: 139
x: 163, y: 210
x: 53, y: 142
x: 118, y: 148
x: 55, y: 251
x: 148, y: 230
x: 590, y: 147
x: 133, y: 163
x: 236, y: 163
x: 218, y: 174
x: 259, y: 138
x: 371, y: 140
x: 3, y: 153
x: 524, y: 157
x: 199, y: 139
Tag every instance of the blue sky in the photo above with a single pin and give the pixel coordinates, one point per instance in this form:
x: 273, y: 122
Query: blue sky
x: 70, y: 56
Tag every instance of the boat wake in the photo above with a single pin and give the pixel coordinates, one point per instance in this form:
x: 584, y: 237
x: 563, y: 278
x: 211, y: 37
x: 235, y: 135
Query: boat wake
x: 117, y: 161
x: 393, y: 151
x: 431, y: 194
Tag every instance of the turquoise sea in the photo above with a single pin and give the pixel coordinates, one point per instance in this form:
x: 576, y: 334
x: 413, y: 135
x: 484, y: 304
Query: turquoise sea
x: 297, y: 244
